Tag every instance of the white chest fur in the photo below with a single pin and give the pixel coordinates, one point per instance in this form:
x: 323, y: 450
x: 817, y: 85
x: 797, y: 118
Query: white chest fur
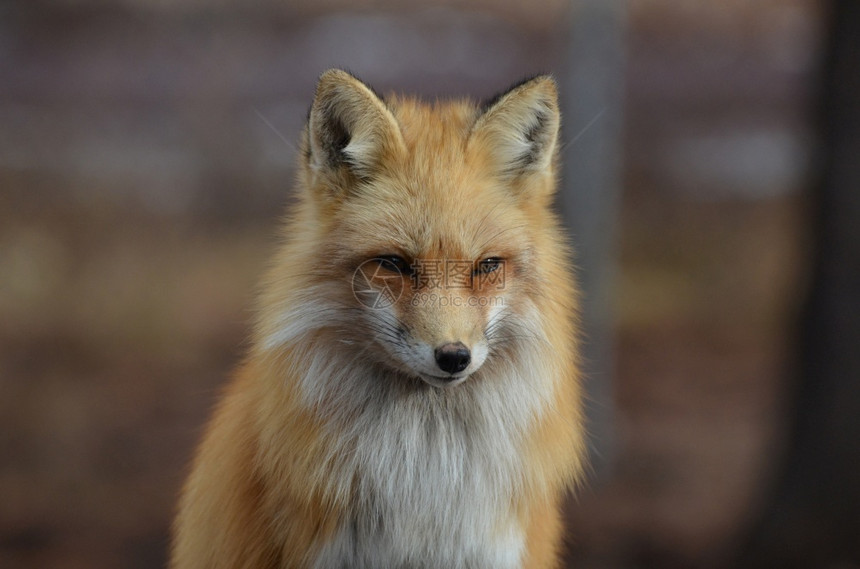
x: 434, y: 476
x: 475, y: 551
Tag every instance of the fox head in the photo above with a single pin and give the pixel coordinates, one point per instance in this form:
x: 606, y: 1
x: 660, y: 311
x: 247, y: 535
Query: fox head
x: 423, y: 241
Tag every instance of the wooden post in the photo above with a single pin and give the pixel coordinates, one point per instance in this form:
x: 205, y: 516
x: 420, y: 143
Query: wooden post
x: 592, y: 105
x: 812, y: 516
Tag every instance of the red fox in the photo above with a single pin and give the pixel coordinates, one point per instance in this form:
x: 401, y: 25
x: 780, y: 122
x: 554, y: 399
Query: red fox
x: 411, y: 395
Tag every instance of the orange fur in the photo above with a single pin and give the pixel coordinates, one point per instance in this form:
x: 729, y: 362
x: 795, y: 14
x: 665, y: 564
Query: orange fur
x: 340, y: 442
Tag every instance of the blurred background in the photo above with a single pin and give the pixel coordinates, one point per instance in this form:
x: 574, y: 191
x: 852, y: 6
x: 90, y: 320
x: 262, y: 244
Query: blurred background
x: 147, y: 151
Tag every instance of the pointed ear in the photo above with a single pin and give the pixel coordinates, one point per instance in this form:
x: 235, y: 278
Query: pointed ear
x: 519, y: 129
x: 350, y: 130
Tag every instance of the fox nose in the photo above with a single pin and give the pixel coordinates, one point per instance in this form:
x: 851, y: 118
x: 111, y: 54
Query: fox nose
x: 452, y: 357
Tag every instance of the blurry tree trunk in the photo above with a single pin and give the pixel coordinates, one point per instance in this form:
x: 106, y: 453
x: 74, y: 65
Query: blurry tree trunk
x: 813, y: 517
x: 592, y: 105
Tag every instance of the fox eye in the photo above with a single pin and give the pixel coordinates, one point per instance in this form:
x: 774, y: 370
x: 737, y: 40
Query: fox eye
x: 394, y: 263
x: 489, y: 265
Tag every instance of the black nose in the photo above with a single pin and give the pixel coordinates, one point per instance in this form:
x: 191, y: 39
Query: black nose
x: 453, y: 357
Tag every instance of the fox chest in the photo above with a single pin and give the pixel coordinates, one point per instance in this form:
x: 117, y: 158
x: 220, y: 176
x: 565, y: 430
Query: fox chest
x: 450, y: 535
x: 430, y: 496
x: 475, y: 547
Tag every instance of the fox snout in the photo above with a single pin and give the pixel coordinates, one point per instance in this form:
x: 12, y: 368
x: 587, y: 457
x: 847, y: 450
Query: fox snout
x: 452, y: 357
x: 446, y: 363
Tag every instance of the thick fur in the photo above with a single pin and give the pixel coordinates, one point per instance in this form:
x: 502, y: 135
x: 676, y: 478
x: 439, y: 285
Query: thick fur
x: 338, y: 444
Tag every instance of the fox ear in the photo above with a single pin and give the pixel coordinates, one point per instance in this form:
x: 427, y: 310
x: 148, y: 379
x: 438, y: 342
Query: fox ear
x: 350, y: 130
x: 519, y: 128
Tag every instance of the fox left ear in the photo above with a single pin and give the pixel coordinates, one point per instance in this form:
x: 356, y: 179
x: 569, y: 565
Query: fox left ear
x: 519, y: 129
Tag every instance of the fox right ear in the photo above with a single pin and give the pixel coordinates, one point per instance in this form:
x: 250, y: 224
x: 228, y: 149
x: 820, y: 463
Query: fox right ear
x: 350, y: 130
x: 519, y: 129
